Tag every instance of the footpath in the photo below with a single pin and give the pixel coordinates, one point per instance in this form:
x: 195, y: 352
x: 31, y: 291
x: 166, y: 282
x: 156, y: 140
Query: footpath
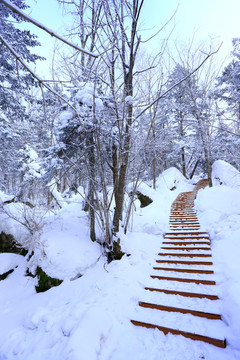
x: 181, y: 297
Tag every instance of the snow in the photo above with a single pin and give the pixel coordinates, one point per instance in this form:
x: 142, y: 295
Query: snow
x: 64, y: 118
x: 88, y: 316
x: 87, y: 96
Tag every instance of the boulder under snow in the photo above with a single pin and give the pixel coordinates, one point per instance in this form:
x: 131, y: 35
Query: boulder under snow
x: 224, y: 173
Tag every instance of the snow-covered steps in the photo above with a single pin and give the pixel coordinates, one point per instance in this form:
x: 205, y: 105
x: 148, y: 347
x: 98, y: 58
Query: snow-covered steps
x: 181, y: 297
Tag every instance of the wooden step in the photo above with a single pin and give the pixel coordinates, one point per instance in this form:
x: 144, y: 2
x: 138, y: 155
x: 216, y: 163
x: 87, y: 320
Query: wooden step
x: 182, y: 214
x: 182, y: 233
x: 180, y: 310
x: 195, y: 281
x: 183, y: 210
x: 186, y: 237
x: 184, y: 262
x: 183, y: 217
x: 184, y: 293
x: 192, y: 336
x: 190, y: 271
x: 186, y: 248
x: 184, y: 227
x: 185, y: 221
x: 183, y: 255
x: 185, y: 243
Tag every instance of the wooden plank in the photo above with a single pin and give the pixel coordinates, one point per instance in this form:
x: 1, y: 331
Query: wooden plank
x: 216, y: 342
x: 186, y: 237
x: 186, y: 248
x: 184, y: 255
x: 190, y: 271
x: 196, y: 281
x: 188, y: 234
x: 184, y: 293
x: 203, y: 314
x: 185, y: 243
x: 184, y: 262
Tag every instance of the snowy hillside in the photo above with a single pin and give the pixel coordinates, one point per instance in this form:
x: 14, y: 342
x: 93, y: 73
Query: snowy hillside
x: 87, y: 317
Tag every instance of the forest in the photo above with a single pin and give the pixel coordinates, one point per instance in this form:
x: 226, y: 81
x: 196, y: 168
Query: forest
x: 92, y: 159
x: 117, y: 116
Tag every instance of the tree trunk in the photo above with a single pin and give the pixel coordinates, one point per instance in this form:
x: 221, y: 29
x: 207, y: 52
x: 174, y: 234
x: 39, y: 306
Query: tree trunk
x: 194, y: 169
x: 91, y: 164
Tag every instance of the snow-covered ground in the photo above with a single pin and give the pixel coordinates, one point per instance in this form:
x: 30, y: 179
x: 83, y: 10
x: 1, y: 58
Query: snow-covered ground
x: 88, y: 317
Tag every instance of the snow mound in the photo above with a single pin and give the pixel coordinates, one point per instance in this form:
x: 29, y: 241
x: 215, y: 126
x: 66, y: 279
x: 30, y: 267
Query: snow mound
x: 154, y: 219
x: 4, y: 197
x: 173, y: 179
x: 222, y: 199
x: 10, y: 261
x: 66, y: 251
x: 225, y: 174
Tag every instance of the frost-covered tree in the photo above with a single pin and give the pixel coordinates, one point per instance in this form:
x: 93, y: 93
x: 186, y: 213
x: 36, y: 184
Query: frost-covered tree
x: 14, y: 80
x: 228, y: 85
x: 180, y: 108
x: 15, y: 83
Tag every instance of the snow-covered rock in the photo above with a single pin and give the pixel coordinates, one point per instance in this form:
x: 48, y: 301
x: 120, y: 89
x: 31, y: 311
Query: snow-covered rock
x: 10, y: 261
x: 173, y: 179
x: 225, y: 174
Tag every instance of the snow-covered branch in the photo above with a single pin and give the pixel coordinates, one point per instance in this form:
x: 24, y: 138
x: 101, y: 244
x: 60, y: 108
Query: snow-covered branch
x: 43, y: 27
x: 17, y: 56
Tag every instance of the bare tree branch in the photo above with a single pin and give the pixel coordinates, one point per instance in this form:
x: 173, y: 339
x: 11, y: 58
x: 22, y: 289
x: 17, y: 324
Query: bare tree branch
x: 43, y: 27
x: 178, y: 83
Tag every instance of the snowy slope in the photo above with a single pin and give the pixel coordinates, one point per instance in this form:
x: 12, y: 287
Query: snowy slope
x: 89, y: 318
x: 219, y: 213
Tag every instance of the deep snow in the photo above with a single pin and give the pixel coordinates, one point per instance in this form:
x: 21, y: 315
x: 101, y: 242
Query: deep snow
x: 88, y: 317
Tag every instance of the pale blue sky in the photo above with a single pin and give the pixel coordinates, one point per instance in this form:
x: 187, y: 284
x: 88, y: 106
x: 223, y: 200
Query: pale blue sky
x: 217, y: 19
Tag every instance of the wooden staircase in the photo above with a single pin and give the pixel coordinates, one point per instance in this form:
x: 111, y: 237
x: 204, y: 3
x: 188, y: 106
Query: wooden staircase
x: 183, y: 287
